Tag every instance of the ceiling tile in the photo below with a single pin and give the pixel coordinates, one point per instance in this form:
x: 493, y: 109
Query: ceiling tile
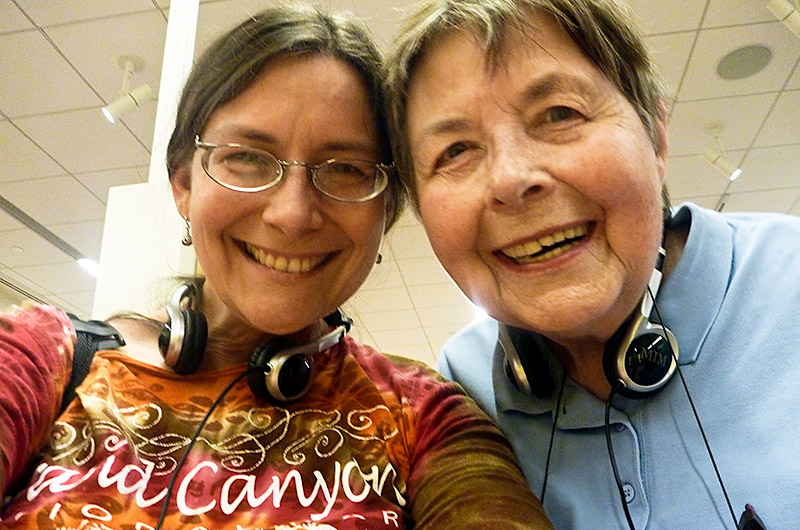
x: 783, y: 126
x: 702, y: 80
x: 396, y: 339
x: 8, y: 223
x: 22, y: 159
x: 662, y: 17
x: 48, y: 13
x: 79, y: 303
x: 707, y: 201
x: 671, y: 53
x: 408, y: 242
x: 734, y: 12
x: 95, y: 46
x: 31, y: 289
x: 436, y: 295
x: 54, y: 200
x: 390, y: 320
x: 763, y: 201
x: 93, y: 144
x: 86, y: 237
x: 59, y: 278
x: 794, y: 81
x: 692, y: 175
x: 24, y: 247
x: 12, y: 19
x: 30, y: 67
x: 769, y: 168
x: 385, y: 275
x: 739, y: 117
x: 99, y: 182
x: 423, y: 271
x: 456, y: 316
x: 367, y: 300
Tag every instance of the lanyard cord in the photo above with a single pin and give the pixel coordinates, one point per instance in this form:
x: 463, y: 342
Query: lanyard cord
x: 697, y: 418
x: 607, y: 425
x: 196, y: 434
x: 552, y: 435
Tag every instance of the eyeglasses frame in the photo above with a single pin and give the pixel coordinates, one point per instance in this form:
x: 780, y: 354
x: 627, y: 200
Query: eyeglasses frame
x: 208, y: 147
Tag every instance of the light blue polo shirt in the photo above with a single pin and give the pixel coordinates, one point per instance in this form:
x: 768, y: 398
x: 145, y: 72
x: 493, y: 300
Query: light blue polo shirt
x: 733, y: 302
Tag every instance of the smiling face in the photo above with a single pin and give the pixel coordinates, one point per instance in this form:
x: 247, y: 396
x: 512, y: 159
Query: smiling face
x: 282, y: 258
x: 538, y: 185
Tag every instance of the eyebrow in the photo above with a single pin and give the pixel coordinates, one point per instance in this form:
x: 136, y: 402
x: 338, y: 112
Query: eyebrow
x: 553, y: 83
x: 261, y: 137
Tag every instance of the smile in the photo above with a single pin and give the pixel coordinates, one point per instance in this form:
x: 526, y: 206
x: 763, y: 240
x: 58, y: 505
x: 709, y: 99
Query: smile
x: 547, y: 247
x: 282, y: 263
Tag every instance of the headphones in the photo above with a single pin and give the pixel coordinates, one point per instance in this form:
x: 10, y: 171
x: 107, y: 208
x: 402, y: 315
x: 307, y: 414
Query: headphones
x: 639, y: 356
x: 278, y: 371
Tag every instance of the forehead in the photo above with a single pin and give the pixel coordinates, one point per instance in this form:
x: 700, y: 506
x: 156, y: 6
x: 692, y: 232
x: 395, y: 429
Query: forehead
x: 540, y: 43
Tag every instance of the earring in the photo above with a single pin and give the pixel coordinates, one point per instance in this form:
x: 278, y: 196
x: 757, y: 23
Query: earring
x: 379, y: 259
x: 187, y: 237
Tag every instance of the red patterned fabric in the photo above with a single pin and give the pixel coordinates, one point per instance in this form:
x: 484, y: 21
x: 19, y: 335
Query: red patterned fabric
x: 379, y: 442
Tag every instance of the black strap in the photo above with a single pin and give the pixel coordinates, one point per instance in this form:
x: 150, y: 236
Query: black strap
x: 93, y: 335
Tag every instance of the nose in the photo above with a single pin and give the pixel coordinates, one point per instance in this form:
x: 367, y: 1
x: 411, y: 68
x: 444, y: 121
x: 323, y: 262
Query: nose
x: 516, y: 175
x: 292, y: 206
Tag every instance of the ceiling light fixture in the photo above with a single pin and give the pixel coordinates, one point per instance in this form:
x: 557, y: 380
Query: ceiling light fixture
x: 787, y: 13
x: 717, y: 157
x: 128, y: 99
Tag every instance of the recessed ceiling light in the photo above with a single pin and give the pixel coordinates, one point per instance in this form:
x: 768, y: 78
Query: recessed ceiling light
x: 744, y: 62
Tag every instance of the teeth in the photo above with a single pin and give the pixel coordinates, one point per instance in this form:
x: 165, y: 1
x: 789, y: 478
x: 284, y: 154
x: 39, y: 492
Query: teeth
x: 281, y: 263
x: 530, y: 252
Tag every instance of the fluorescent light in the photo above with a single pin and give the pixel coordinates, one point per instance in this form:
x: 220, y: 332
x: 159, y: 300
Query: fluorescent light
x: 90, y: 266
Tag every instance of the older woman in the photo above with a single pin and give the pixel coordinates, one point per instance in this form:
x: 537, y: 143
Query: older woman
x: 532, y: 134
x: 245, y: 405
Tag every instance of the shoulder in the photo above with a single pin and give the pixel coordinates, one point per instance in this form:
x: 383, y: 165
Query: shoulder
x: 42, y: 324
x: 472, y: 344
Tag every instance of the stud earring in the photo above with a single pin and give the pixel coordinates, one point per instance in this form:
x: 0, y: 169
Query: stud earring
x: 187, y: 237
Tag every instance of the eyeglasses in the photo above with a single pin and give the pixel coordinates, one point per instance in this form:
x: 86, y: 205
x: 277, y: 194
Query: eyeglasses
x: 247, y: 169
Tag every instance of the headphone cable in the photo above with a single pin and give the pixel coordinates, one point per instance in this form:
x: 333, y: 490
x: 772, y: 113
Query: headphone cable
x: 552, y: 435
x: 607, y: 425
x: 696, y: 416
x: 195, y: 436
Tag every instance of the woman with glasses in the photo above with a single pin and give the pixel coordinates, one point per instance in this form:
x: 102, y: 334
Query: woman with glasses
x: 245, y: 405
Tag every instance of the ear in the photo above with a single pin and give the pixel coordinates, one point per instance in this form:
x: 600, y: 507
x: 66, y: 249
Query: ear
x: 181, y: 182
x: 662, y: 147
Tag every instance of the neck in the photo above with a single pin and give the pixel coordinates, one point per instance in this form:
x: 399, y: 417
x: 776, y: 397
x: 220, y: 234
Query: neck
x: 583, y: 362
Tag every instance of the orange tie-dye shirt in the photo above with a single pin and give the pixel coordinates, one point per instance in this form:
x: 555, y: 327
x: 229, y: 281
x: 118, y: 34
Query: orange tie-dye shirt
x: 379, y: 442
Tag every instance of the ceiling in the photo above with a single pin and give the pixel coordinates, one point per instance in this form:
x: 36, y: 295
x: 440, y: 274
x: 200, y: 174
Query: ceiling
x: 59, y: 156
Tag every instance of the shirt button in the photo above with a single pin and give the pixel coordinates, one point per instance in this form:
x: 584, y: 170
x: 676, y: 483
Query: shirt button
x: 629, y: 493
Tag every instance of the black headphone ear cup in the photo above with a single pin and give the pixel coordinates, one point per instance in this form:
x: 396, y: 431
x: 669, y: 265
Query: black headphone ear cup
x: 195, y: 336
x: 533, y: 355
x: 640, y: 356
x: 277, y: 373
